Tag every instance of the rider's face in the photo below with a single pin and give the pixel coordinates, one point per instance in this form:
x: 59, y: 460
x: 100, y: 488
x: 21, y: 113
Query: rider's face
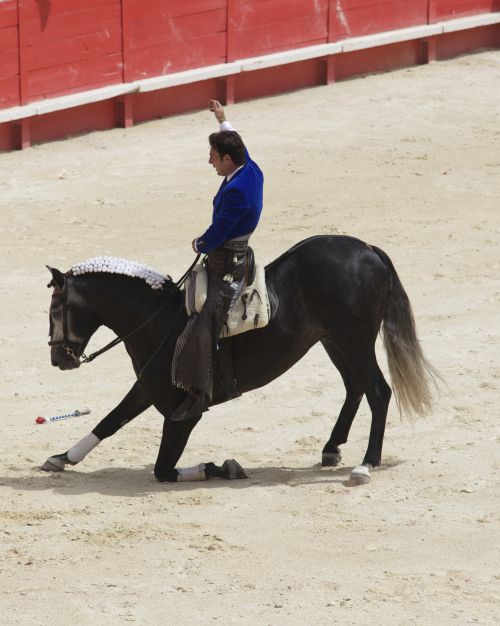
x: 223, y: 166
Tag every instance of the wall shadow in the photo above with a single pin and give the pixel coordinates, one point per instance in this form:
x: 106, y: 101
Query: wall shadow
x: 44, y: 9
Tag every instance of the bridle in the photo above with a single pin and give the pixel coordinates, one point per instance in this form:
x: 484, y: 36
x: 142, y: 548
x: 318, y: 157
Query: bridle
x: 75, y: 350
x: 72, y: 349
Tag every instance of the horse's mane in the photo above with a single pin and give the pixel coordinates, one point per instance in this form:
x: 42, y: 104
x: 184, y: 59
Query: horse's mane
x: 116, y: 265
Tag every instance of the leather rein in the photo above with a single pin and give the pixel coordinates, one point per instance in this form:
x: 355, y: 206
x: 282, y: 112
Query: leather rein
x: 76, y: 352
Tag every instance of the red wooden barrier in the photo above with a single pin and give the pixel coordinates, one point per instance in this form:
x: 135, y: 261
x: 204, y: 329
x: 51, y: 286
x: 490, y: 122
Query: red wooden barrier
x: 354, y: 18
x: 264, y: 26
x: 9, y: 54
x: 164, y: 36
x: 51, y: 48
x: 451, y: 9
x: 69, y: 46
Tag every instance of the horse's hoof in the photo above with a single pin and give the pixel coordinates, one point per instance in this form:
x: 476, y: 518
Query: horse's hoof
x: 53, y: 464
x: 232, y: 469
x: 360, y: 475
x: 330, y: 459
x: 56, y: 463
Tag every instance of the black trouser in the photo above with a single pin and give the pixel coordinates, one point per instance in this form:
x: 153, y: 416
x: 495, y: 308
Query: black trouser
x: 226, y: 268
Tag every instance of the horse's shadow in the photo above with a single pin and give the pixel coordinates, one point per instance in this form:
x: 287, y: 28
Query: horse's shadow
x: 139, y: 481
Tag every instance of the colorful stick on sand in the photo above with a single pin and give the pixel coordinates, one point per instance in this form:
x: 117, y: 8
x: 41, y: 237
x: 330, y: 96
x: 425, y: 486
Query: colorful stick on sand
x: 57, y: 418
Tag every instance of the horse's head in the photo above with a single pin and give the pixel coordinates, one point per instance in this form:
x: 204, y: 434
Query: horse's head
x: 71, y: 322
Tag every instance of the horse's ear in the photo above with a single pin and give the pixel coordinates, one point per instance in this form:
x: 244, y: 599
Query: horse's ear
x: 57, y: 277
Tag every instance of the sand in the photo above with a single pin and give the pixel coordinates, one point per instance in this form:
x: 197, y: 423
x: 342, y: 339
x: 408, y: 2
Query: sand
x: 409, y: 161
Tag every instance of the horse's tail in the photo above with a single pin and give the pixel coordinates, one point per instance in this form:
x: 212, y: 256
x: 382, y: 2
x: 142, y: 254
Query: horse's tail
x: 413, y: 377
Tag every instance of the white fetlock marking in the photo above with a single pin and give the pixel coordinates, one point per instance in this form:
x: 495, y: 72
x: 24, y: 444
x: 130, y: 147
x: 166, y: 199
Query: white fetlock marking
x: 186, y: 474
x: 80, y: 450
x: 360, y: 475
x: 191, y: 477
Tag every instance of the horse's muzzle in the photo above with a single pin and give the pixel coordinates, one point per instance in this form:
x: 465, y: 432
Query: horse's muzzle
x: 65, y: 363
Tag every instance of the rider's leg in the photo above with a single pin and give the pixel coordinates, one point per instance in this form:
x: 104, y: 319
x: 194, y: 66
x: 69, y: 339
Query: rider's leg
x: 224, y: 285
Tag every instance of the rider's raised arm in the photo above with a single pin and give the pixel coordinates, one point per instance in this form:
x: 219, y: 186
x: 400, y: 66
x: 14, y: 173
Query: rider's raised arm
x: 218, y: 110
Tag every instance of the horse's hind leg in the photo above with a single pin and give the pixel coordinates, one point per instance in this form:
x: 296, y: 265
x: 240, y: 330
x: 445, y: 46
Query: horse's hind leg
x: 357, y: 363
x: 378, y: 393
x: 132, y: 405
x: 331, y: 454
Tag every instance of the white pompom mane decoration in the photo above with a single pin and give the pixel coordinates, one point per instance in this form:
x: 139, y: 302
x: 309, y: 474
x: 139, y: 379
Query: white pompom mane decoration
x: 115, y: 265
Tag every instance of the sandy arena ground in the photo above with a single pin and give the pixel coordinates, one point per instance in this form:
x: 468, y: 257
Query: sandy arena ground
x: 409, y: 161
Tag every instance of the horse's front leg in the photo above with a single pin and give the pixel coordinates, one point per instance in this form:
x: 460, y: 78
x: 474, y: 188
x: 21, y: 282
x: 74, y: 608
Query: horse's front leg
x: 174, y: 440
x: 132, y: 405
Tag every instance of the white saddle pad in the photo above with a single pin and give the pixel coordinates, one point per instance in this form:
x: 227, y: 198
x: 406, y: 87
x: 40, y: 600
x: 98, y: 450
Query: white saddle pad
x: 252, y: 309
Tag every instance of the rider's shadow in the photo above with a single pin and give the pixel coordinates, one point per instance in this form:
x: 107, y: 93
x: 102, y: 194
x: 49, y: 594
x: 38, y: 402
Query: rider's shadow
x: 140, y: 481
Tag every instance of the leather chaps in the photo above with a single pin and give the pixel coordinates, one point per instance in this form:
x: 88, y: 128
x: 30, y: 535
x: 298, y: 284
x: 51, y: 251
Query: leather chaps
x: 226, y: 271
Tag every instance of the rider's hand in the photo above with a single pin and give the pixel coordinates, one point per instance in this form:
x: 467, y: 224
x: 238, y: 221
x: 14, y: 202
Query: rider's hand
x: 217, y: 109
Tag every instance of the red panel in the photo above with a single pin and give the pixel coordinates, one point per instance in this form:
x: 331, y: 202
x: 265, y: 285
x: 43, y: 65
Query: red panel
x: 172, y: 44
x: 9, y: 56
x: 355, y: 18
x: 9, y: 39
x: 461, y: 42
x: 9, y: 52
x: 264, y: 26
x: 250, y: 13
x: 9, y: 64
x: 268, y: 38
x: 45, y: 10
x: 87, y: 46
x: 69, y: 46
x: 8, y: 15
x: 9, y: 92
x: 5, y: 136
x: 173, y: 101
x: 278, y: 79
x: 80, y: 76
x: 179, y: 31
x: 449, y: 9
x: 144, y: 10
x: 97, y: 116
x: 71, y: 24
x: 404, y: 54
x: 152, y: 61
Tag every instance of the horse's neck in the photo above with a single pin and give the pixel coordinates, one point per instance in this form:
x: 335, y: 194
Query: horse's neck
x: 125, y: 305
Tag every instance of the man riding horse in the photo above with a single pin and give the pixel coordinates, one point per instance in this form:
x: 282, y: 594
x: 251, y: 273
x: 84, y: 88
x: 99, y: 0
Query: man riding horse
x: 236, y: 211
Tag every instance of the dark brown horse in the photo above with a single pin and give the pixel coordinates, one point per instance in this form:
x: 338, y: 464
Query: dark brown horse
x: 333, y: 289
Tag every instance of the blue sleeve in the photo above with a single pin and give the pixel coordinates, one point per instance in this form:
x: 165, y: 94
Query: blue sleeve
x: 234, y: 207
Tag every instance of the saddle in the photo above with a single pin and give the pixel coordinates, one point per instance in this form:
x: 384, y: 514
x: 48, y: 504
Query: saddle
x: 252, y: 310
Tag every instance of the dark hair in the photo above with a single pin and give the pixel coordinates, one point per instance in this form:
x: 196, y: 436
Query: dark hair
x: 229, y: 142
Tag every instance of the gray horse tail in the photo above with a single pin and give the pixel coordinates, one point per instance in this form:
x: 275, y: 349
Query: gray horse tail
x: 413, y: 378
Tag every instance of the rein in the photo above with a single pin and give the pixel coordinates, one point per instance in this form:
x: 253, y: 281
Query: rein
x: 83, y: 358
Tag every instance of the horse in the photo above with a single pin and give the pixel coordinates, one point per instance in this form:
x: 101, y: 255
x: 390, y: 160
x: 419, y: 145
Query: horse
x: 333, y: 289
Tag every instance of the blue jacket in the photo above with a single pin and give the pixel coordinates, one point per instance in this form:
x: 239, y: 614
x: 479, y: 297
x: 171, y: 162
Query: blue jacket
x: 237, y: 207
